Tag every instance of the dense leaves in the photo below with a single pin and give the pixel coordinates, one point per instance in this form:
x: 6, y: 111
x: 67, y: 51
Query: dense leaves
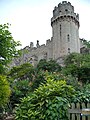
x: 78, y: 65
x: 7, y: 52
x: 20, y: 78
x: 7, y: 46
x: 4, y: 91
x: 19, y: 89
x: 49, y: 101
x: 22, y: 72
x: 50, y: 66
x: 83, y: 95
x: 87, y: 43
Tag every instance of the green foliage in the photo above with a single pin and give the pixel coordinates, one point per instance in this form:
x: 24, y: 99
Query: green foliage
x: 20, y: 78
x: 19, y: 89
x: 73, y: 58
x: 73, y: 82
x: 50, y: 66
x: 83, y: 95
x: 78, y: 65
x: 87, y: 43
x: 4, y: 91
x: 49, y: 101
x: 38, y: 79
x: 41, y: 76
x: 22, y: 72
x: 7, y: 46
x: 43, y: 68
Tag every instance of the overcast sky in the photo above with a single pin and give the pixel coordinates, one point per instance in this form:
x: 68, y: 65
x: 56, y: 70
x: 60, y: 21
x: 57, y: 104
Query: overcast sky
x: 30, y: 19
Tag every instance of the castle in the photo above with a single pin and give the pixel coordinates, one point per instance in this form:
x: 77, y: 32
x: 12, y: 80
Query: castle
x: 64, y: 40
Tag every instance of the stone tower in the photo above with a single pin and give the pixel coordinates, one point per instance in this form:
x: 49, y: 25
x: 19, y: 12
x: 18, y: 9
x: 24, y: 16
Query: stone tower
x: 65, y: 30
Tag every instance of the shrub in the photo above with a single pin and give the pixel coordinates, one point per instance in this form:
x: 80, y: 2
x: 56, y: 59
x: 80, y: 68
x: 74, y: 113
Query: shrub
x: 4, y: 94
x: 4, y: 90
x: 49, y: 101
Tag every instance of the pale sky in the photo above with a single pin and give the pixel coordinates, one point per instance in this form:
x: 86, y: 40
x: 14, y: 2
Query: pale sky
x: 30, y: 19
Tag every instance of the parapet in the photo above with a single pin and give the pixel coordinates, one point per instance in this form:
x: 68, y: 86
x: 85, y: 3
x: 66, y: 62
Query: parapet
x: 64, y: 9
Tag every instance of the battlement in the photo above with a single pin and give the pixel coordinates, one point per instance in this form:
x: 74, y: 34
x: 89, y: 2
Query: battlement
x: 37, y: 45
x: 64, y: 9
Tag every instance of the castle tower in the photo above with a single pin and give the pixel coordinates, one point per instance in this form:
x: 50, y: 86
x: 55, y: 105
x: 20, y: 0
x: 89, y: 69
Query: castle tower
x: 65, y: 30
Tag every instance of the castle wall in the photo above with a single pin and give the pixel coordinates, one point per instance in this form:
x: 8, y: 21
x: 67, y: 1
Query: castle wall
x: 34, y: 54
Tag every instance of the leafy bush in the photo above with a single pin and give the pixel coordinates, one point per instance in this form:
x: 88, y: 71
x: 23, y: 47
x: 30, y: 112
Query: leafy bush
x: 83, y: 95
x: 19, y: 89
x: 38, y: 79
x: 77, y: 65
x: 4, y: 90
x: 23, y: 72
x: 49, y: 101
x: 50, y: 66
x: 4, y: 94
x: 7, y: 47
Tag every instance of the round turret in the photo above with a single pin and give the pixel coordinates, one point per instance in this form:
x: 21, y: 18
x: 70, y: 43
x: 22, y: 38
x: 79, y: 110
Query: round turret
x: 65, y: 30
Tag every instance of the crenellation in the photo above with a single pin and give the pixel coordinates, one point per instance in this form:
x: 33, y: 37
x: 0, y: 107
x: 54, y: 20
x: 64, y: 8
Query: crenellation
x: 59, y: 5
x: 64, y: 2
x: 64, y: 9
x: 48, y: 41
x: 43, y: 45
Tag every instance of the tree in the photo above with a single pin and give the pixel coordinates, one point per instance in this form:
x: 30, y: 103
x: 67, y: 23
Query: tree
x: 78, y: 65
x: 19, y: 90
x: 50, y: 66
x: 22, y: 72
x: 20, y: 78
x: 44, y: 67
x: 49, y: 101
x: 7, y: 52
x: 87, y: 43
x: 86, y: 47
x: 7, y: 47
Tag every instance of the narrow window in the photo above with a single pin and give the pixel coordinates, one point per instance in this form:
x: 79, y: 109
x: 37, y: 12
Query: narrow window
x: 68, y: 38
x: 68, y: 50
x: 60, y: 30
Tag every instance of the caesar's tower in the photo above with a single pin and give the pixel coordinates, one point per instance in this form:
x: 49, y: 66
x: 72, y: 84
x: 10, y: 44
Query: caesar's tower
x: 65, y: 30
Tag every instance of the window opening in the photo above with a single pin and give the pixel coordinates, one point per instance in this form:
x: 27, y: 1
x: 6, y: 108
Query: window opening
x: 60, y: 30
x: 68, y: 38
x: 68, y: 50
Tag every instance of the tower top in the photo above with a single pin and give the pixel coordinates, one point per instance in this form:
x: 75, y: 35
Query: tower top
x: 64, y: 9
